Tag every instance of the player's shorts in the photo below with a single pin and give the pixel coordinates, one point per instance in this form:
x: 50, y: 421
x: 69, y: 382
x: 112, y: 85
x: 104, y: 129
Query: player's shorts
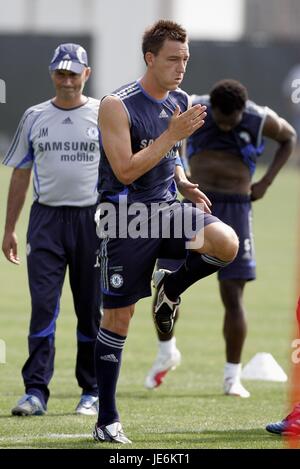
x: 128, y: 259
x: 235, y: 211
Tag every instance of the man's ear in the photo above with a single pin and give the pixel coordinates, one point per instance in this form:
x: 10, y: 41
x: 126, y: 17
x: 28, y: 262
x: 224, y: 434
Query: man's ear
x: 149, y: 57
x: 88, y: 72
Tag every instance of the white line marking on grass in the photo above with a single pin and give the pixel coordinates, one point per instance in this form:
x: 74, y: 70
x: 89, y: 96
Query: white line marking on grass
x: 69, y: 435
x: 53, y: 436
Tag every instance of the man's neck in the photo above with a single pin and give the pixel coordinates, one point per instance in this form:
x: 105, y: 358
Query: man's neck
x: 69, y: 103
x: 152, y: 88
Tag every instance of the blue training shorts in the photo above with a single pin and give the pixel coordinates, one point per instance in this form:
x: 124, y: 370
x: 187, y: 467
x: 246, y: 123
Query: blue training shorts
x: 127, y: 263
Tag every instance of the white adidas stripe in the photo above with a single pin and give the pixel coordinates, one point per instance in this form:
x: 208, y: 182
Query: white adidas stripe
x: 111, y: 339
x: 65, y: 64
x: 102, y: 340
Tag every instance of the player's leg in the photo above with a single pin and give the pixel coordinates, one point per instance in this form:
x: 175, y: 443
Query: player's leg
x: 235, y: 327
x: 218, y: 247
x: 84, y: 274
x: 126, y: 268
x: 46, y: 265
x: 235, y: 209
x: 168, y: 356
x: 108, y: 357
x: 234, y: 330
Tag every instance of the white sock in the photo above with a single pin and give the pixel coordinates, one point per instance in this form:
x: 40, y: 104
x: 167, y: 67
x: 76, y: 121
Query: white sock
x: 166, y: 347
x: 232, y: 371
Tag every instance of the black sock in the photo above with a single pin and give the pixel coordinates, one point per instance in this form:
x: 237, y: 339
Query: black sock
x: 195, y: 267
x: 108, y: 356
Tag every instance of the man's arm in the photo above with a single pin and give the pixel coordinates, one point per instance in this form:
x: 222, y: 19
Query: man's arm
x: 189, y: 190
x: 16, y: 196
x: 115, y: 133
x: 279, y: 130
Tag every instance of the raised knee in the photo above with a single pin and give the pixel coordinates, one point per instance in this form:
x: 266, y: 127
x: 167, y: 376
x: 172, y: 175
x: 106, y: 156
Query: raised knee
x: 230, y: 245
x: 223, y: 242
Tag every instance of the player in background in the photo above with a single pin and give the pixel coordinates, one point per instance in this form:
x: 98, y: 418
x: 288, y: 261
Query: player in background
x: 58, y: 139
x: 222, y: 158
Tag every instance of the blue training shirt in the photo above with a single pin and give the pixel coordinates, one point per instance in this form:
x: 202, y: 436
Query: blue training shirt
x: 148, y: 119
x: 245, y: 140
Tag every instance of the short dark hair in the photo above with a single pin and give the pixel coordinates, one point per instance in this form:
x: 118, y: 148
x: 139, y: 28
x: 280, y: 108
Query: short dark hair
x: 155, y: 35
x: 228, y: 96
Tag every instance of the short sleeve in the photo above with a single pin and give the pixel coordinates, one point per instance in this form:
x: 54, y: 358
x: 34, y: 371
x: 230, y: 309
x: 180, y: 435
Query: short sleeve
x: 20, y: 152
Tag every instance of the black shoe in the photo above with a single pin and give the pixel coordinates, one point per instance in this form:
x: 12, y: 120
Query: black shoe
x: 288, y: 426
x: 112, y: 433
x: 278, y: 428
x: 164, y: 309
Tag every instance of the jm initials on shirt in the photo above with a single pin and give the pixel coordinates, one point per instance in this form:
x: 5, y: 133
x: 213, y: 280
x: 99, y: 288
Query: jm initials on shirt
x: 43, y: 132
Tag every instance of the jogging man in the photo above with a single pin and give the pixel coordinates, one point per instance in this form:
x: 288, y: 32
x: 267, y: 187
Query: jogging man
x: 142, y: 125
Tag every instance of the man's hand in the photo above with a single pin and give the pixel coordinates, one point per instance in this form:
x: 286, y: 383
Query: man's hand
x: 183, y: 125
x: 10, y: 247
x: 191, y: 191
x: 258, y: 189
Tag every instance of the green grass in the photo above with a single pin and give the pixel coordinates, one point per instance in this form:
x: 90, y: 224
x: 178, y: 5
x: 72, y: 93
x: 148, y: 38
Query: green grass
x: 189, y: 410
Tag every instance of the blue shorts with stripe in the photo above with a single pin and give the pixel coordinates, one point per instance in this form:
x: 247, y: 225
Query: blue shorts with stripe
x: 128, y: 259
x: 235, y: 211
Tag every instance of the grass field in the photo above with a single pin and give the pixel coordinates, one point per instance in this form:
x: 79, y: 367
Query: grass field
x: 189, y: 410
